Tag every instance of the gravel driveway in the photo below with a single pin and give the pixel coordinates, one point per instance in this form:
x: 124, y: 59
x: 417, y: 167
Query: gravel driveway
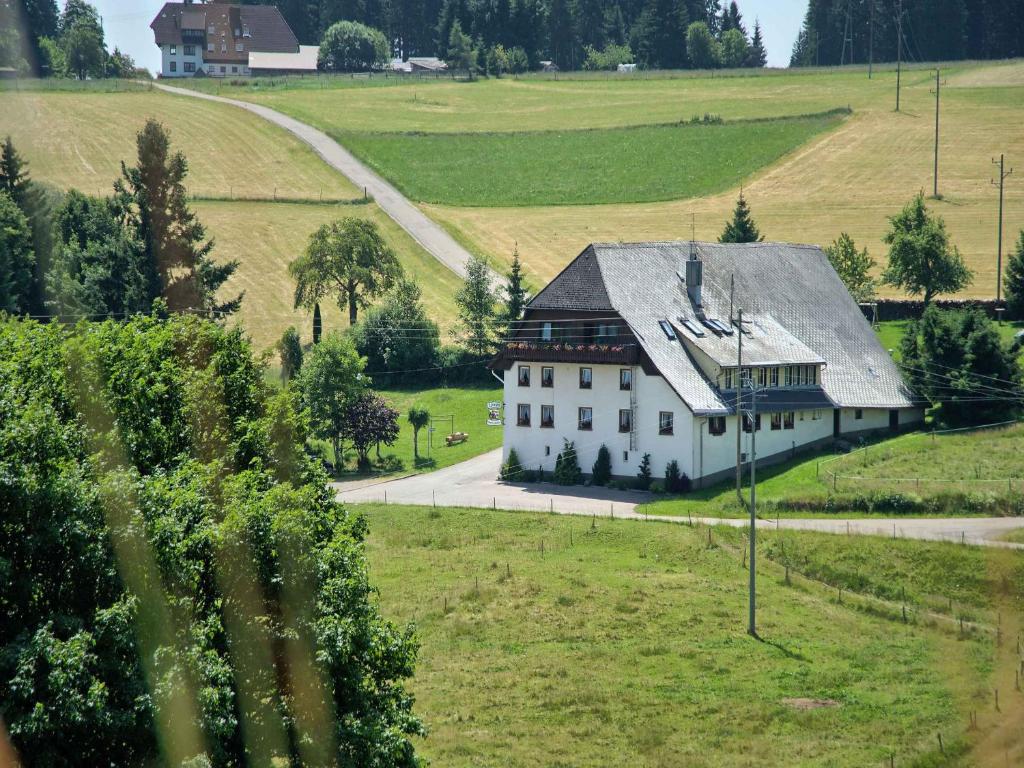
x: 473, y: 483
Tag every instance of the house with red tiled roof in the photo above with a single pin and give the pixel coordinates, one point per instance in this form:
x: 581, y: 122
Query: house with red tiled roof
x: 220, y: 39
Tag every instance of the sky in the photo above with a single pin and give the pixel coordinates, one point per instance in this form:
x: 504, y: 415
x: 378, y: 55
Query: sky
x: 126, y: 24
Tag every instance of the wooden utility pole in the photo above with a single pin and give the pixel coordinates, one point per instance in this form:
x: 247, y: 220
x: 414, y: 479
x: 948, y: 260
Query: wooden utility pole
x: 899, y: 51
x: 871, y: 38
x: 935, y: 189
x: 1003, y: 173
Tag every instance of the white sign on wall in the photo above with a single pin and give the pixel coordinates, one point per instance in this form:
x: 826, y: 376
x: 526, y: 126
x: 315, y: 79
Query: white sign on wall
x: 494, y: 414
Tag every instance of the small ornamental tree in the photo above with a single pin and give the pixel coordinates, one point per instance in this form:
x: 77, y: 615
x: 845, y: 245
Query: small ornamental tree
x: 921, y: 258
x: 368, y: 420
x: 853, y: 266
x: 512, y: 469
x: 289, y: 349
x: 1013, y: 282
x: 741, y: 229
x: 418, y: 418
x: 643, y: 477
x: 567, y: 466
x: 602, y: 471
x: 349, y: 46
x: 676, y: 481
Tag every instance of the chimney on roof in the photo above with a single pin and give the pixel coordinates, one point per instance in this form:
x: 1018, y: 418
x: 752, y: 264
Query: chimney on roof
x: 694, y: 276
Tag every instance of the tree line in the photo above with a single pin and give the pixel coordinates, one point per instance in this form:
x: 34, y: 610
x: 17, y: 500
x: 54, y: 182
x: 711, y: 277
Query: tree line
x: 851, y: 31
x: 37, y: 39
x: 515, y: 35
x: 72, y: 256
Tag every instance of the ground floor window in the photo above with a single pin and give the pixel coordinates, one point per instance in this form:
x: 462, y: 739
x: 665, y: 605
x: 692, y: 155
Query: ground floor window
x: 190, y: 66
x: 716, y: 425
x: 523, y: 415
x: 586, y: 419
x: 746, y: 422
x: 666, y: 423
x: 547, y: 416
x: 788, y: 419
x: 174, y: 66
x: 625, y: 420
x: 776, y: 421
x: 815, y: 415
x: 858, y: 414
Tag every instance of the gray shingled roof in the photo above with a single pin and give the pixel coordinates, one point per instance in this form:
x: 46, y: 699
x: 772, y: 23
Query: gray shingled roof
x: 792, y: 286
x: 580, y: 287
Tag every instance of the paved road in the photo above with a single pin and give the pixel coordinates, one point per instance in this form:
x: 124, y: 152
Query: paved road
x: 430, y: 235
x: 473, y: 483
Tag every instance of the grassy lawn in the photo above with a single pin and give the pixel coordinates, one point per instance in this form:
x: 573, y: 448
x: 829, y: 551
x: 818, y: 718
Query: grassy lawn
x: 593, y: 166
x: 1016, y: 536
x: 919, y: 464
x: 468, y: 406
x: 625, y: 644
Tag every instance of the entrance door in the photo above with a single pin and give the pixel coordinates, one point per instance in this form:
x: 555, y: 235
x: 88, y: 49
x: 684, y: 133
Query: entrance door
x: 894, y: 420
x: 837, y: 422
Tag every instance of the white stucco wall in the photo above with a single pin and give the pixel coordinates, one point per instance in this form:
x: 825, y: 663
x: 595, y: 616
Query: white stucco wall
x: 179, y: 58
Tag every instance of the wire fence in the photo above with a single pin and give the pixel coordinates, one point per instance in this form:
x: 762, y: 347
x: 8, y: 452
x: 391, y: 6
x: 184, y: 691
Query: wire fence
x: 840, y: 473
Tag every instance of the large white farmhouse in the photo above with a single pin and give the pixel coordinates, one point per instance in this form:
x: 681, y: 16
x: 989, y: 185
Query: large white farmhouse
x: 634, y: 346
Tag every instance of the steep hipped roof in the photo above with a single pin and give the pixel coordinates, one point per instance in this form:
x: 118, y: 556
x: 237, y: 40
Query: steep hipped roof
x: 789, y: 287
x: 268, y: 31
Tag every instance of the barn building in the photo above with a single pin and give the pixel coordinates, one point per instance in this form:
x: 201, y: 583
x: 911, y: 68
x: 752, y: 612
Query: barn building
x: 635, y: 346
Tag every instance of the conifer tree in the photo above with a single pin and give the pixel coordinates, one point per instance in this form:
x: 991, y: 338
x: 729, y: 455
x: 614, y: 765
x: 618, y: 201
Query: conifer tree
x: 516, y: 295
x: 173, y: 238
x: 742, y: 228
x: 13, y: 174
x: 758, y: 56
x: 1013, y: 282
x: 16, y: 257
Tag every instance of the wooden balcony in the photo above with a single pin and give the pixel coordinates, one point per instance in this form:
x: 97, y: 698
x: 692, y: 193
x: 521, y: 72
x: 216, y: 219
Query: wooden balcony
x: 528, y: 352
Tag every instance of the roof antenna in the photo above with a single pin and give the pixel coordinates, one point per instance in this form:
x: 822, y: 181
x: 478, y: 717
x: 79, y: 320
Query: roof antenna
x: 693, y: 235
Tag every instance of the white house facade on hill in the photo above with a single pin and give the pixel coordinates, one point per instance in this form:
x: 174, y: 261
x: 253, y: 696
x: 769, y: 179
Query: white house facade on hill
x: 635, y: 347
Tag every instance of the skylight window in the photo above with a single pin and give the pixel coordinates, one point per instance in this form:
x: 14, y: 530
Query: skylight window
x: 693, y: 328
x: 669, y: 331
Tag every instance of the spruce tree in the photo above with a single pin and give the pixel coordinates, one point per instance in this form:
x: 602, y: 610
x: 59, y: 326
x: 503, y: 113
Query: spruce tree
x: 758, y: 56
x: 742, y: 228
x: 1013, y: 282
x: 16, y: 257
x: 516, y: 295
x: 13, y: 174
x: 176, y: 247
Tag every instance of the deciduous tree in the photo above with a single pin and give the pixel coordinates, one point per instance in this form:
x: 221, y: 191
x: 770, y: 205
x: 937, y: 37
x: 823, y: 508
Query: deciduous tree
x: 17, y: 258
x: 418, y: 418
x: 921, y: 258
x: 702, y: 49
x: 476, y: 303
x: 330, y: 380
x: 853, y: 266
x: 398, y: 338
x: 349, y: 46
x: 369, y: 421
x: 348, y: 259
x: 1013, y: 281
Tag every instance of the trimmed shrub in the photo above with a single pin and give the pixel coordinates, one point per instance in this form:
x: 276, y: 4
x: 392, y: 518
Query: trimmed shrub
x: 602, y: 471
x: 643, y: 477
x: 676, y: 482
x: 512, y: 470
x: 567, y: 466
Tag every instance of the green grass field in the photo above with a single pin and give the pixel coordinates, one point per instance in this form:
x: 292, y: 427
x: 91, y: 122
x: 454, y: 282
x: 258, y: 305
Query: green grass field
x: 614, y: 165
x: 921, y: 465
x: 463, y: 407
x: 624, y: 644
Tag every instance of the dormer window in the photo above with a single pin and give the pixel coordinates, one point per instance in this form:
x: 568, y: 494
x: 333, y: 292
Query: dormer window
x: 210, y: 30
x: 239, y: 47
x: 245, y: 31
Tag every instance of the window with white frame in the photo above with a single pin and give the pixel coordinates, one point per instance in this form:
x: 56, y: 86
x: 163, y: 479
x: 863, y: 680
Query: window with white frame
x: 666, y: 423
x: 586, y: 378
x: 625, y: 379
x: 524, y: 375
x: 190, y: 50
x: 174, y: 50
x: 547, y: 416
x: 625, y: 420
x: 190, y: 66
x: 716, y: 425
x: 762, y: 377
x: 545, y: 332
x: 788, y: 420
x: 523, y: 415
x: 774, y: 377
x: 174, y: 66
x: 586, y: 419
x: 776, y: 421
x: 730, y: 378
x: 547, y: 377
